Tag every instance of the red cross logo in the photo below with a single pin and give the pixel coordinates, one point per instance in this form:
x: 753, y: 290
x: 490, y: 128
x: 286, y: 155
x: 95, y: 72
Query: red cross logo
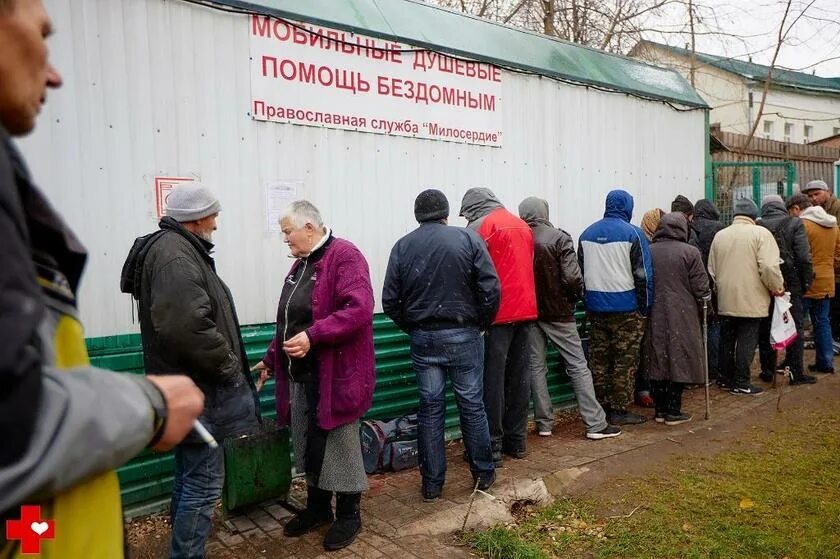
x: 30, y: 529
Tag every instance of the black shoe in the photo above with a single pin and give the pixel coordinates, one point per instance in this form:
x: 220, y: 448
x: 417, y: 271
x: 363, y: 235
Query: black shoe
x: 749, y: 390
x: 348, y: 521
x: 318, y: 512
x: 431, y: 495
x: 624, y: 417
x: 659, y: 417
x: 814, y: 369
x: 606, y: 433
x: 515, y: 453
x: 671, y: 419
x: 766, y: 376
x: 803, y: 379
x: 724, y: 384
x: 485, y: 481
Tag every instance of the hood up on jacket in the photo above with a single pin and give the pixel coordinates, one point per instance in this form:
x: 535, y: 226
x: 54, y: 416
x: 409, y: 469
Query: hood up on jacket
x: 534, y: 211
x: 819, y: 216
x: 705, y: 209
x: 773, y: 209
x: 478, y: 202
x: 673, y: 226
x: 620, y: 205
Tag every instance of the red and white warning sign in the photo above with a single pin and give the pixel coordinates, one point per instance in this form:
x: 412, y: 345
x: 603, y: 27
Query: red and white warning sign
x: 163, y: 186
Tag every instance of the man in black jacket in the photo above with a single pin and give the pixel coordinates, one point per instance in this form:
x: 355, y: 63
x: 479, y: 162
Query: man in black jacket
x: 559, y: 285
x: 188, y: 323
x: 441, y: 288
x: 798, y: 273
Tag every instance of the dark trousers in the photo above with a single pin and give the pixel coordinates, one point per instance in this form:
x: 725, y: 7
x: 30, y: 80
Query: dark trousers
x: 738, y: 341
x: 793, y: 352
x: 668, y: 396
x: 713, y: 346
x: 507, y: 383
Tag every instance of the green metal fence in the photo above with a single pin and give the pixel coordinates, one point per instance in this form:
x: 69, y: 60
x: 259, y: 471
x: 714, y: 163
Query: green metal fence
x: 733, y: 180
x: 146, y: 481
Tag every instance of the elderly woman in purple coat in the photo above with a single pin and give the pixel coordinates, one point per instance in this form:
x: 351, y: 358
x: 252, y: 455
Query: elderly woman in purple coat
x: 322, y: 355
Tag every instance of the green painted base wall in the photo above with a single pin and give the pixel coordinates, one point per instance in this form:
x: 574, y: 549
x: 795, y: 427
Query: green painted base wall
x: 146, y: 481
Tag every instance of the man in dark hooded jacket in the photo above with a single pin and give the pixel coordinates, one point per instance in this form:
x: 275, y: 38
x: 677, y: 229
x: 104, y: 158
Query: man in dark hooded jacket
x: 618, y: 277
x: 798, y: 273
x: 559, y: 284
x: 705, y: 225
x: 506, y: 373
x: 188, y: 323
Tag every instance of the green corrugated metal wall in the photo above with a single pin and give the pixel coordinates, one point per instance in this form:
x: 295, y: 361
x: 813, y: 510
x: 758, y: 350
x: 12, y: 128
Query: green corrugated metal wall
x: 146, y: 481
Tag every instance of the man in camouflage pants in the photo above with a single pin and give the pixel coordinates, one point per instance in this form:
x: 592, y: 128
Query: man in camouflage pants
x: 618, y: 278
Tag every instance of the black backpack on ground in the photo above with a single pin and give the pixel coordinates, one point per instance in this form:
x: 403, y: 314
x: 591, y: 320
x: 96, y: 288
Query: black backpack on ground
x: 389, y: 445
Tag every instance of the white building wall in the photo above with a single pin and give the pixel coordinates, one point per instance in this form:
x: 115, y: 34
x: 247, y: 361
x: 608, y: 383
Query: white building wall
x: 162, y: 88
x: 728, y: 95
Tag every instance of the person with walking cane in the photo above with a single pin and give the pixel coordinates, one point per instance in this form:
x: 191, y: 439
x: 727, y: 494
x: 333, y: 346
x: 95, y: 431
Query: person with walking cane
x: 676, y: 353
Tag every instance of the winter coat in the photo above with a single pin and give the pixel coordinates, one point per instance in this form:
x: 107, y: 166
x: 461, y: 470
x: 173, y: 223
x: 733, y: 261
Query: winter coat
x: 706, y: 224
x: 824, y: 239
x: 615, y: 259
x: 342, y: 334
x: 675, y: 345
x: 189, y: 326
x: 440, y: 277
x: 557, y: 275
x: 744, y: 265
x: 511, y: 246
x: 792, y: 241
x: 65, y: 424
x: 833, y: 210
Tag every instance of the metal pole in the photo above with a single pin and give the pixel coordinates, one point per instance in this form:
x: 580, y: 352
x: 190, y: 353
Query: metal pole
x: 706, y: 353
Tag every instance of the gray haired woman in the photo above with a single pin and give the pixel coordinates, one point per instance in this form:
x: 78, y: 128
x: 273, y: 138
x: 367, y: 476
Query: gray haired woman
x: 323, y: 355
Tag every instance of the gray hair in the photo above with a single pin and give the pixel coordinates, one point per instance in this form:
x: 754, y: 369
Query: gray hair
x: 301, y: 212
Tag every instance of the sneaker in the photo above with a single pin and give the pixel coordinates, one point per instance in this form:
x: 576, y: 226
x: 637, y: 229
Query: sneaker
x: 671, y: 419
x: 723, y: 384
x: 624, y: 417
x: 803, y: 379
x: 431, y: 495
x: 485, y: 482
x: 814, y: 369
x: 659, y: 417
x: 749, y: 389
x: 766, y: 376
x: 606, y: 433
x: 544, y: 433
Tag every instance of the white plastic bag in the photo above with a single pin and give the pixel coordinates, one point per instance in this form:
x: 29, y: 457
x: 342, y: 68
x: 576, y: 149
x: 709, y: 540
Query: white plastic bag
x: 782, y: 329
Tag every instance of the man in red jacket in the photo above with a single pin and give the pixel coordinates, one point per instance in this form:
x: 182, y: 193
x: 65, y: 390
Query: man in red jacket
x: 506, y: 375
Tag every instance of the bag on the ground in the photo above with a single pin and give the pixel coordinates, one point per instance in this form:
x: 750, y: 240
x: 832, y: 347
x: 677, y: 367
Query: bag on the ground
x: 389, y: 445
x: 782, y: 327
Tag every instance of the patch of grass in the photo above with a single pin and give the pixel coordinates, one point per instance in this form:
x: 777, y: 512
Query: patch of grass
x: 779, y: 498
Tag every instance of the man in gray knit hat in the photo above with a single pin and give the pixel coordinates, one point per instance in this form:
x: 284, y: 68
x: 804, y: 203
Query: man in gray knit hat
x: 820, y: 194
x: 744, y: 265
x: 189, y: 324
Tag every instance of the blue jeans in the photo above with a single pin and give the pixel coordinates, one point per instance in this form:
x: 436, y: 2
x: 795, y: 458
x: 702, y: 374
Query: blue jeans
x: 457, y: 353
x: 199, y: 476
x: 820, y: 319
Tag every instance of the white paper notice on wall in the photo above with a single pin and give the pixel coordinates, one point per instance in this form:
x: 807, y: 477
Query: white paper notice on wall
x: 278, y: 196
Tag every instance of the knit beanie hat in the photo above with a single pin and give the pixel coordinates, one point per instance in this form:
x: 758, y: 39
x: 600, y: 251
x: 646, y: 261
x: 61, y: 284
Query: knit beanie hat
x: 770, y: 198
x: 431, y: 205
x: 745, y: 206
x: 682, y: 204
x: 190, y: 202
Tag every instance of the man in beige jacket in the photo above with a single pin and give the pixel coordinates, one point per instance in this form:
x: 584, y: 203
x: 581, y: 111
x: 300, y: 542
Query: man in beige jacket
x: 744, y: 265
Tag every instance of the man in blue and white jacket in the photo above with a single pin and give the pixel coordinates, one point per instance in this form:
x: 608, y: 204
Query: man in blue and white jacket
x: 618, y: 280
